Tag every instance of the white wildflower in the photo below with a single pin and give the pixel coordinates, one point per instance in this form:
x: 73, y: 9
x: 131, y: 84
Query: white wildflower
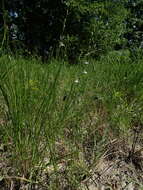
x: 76, y: 81
x: 62, y: 44
x: 86, y: 62
x: 84, y: 72
x: 9, y: 57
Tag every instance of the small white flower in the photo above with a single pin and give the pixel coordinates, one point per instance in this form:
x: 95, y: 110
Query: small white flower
x: 76, y: 81
x: 84, y: 72
x: 9, y: 57
x: 134, y: 4
x: 86, y: 62
x: 62, y: 44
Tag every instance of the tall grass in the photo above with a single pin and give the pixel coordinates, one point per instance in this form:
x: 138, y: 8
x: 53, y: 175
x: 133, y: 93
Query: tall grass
x: 29, y: 96
x: 37, y: 110
x: 59, y: 115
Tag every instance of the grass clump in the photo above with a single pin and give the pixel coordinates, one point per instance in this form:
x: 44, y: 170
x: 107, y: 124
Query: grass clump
x: 56, y: 119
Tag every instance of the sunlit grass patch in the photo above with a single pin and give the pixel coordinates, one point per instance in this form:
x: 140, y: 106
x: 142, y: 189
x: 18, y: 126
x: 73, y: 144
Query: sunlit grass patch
x: 55, y: 117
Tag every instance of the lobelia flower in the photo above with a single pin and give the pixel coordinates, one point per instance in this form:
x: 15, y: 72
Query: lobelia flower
x: 76, y: 81
x: 86, y: 62
x: 62, y: 44
x: 84, y: 72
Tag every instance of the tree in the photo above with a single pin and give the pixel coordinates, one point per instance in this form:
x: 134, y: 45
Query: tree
x: 66, y: 28
x: 93, y: 27
x: 135, y: 23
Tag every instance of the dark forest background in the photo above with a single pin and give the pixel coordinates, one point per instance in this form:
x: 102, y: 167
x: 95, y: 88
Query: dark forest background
x: 71, y: 29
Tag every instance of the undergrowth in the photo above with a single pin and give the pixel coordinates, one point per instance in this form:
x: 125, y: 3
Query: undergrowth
x: 56, y: 119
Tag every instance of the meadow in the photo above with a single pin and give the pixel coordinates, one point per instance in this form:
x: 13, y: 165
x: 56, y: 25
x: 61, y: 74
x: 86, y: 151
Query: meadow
x: 58, y: 122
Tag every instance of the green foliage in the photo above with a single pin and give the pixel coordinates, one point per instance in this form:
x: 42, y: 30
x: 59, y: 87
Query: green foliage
x: 135, y: 23
x: 94, y: 28
x: 59, y: 116
x: 68, y: 29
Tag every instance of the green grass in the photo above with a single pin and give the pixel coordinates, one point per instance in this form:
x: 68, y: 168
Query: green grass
x: 55, y: 115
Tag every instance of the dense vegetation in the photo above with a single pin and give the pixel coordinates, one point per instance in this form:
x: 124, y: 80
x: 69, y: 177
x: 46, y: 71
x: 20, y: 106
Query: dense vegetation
x: 71, y: 28
x: 74, y: 123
